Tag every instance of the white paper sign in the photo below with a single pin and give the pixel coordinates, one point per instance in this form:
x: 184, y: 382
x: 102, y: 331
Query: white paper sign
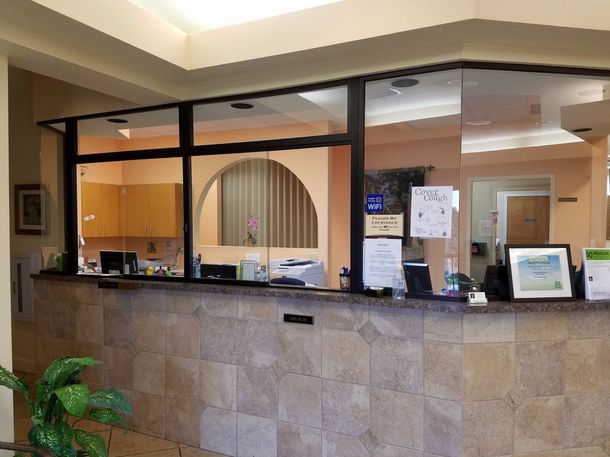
x: 384, y: 225
x: 431, y: 211
x: 485, y: 227
x: 382, y: 257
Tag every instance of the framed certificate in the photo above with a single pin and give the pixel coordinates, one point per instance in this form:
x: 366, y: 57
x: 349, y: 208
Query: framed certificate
x: 539, y: 272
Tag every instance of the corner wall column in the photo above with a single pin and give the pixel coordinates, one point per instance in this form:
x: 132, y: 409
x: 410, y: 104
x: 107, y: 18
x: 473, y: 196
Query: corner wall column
x: 6, y: 396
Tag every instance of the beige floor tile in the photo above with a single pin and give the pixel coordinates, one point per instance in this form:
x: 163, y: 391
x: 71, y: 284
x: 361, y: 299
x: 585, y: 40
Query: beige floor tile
x: 132, y: 443
x: 187, y: 451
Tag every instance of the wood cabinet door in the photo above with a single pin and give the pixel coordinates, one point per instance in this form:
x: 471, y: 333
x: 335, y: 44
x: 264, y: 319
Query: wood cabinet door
x: 135, y: 201
x: 110, y: 199
x: 90, y: 207
x: 162, y: 210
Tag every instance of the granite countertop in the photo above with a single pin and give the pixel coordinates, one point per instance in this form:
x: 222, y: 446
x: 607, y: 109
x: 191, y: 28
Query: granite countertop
x: 332, y: 296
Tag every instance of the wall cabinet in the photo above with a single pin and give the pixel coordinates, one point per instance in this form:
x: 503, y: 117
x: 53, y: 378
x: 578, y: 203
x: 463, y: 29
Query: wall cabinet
x: 153, y: 210
x: 100, y: 209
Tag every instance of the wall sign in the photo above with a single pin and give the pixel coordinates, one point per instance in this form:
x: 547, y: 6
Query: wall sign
x: 384, y: 225
x: 374, y: 203
x: 431, y: 211
x: 298, y: 319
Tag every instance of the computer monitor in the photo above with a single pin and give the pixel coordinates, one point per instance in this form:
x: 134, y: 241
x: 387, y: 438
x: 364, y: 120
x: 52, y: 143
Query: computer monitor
x: 218, y: 271
x: 119, y: 262
x: 495, y: 283
x: 418, y: 279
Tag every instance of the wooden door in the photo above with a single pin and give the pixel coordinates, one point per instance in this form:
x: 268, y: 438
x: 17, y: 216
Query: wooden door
x: 90, y: 208
x: 527, y: 219
x: 135, y: 199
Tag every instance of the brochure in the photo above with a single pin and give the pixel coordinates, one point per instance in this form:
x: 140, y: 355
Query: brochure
x: 596, y: 262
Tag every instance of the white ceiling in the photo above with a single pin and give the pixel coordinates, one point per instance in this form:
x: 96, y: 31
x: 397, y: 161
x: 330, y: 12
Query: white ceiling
x: 193, y: 15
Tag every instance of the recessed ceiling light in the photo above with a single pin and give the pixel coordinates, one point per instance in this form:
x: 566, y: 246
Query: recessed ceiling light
x: 116, y: 120
x: 511, y: 106
x: 405, y: 82
x: 591, y: 92
x: 481, y: 122
x: 241, y: 105
x: 582, y: 129
x: 458, y: 82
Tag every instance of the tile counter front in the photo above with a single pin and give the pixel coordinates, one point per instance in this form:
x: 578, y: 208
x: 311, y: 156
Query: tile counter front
x: 218, y: 368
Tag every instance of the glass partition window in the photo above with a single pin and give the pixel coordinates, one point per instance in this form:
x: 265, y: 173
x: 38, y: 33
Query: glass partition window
x: 301, y: 114
x: 412, y: 181
x: 267, y: 216
x: 534, y: 161
x: 131, y: 216
x: 129, y: 132
x: 46, y: 204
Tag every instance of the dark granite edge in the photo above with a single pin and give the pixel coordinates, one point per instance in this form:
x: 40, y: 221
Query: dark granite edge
x: 339, y: 297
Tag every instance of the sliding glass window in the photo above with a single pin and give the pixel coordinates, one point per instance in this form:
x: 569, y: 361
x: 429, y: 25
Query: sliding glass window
x: 157, y: 129
x: 130, y: 217
x: 300, y: 114
x: 412, y: 181
x: 266, y: 216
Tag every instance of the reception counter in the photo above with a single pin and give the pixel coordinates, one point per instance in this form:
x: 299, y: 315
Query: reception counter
x: 292, y: 372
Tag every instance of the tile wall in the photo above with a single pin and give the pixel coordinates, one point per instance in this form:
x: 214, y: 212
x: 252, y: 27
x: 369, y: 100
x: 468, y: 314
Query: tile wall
x: 226, y: 374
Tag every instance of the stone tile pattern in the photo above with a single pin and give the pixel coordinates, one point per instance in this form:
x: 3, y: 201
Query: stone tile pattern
x: 223, y: 374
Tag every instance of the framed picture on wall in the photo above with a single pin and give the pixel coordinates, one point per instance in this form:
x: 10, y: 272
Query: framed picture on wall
x: 30, y: 209
x: 539, y: 272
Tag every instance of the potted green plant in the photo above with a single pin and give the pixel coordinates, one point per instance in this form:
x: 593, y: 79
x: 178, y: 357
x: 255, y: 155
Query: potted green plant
x: 60, y: 396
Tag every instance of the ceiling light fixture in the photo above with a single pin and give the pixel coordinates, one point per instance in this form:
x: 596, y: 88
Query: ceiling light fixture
x: 591, y: 92
x: 116, y: 120
x: 405, y: 82
x: 458, y: 82
x: 241, y: 105
x: 582, y: 130
x: 481, y: 122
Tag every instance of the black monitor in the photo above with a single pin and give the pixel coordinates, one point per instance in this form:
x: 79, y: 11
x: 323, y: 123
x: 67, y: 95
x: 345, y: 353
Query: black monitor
x: 119, y: 262
x: 418, y: 279
x: 495, y: 284
x: 218, y: 271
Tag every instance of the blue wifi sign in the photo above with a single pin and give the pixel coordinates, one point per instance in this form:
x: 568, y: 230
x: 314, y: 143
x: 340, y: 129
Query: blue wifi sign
x: 374, y: 203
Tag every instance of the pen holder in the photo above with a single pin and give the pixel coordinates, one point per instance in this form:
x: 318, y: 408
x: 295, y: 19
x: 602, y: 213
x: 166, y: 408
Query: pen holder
x: 345, y: 282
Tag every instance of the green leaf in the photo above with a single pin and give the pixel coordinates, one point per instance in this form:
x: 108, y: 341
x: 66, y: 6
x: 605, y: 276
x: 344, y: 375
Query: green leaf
x: 93, y: 445
x: 57, y: 437
x: 8, y: 379
x: 74, y: 398
x: 66, y: 371
x: 110, y: 398
x: 107, y: 416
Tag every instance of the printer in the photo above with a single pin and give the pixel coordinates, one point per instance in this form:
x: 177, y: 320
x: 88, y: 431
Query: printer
x: 311, y: 272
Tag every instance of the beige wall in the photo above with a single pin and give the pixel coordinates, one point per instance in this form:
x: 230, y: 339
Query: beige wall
x: 33, y: 159
x: 6, y: 396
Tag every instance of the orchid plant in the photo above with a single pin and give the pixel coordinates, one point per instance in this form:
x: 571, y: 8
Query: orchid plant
x: 252, y: 224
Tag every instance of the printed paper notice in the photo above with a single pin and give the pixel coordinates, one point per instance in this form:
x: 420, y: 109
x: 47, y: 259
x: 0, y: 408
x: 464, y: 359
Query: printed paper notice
x: 431, y: 211
x: 382, y: 257
x: 597, y: 273
x: 384, y: 225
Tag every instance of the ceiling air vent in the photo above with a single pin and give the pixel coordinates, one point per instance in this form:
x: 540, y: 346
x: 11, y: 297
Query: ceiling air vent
x: 535, y: 108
